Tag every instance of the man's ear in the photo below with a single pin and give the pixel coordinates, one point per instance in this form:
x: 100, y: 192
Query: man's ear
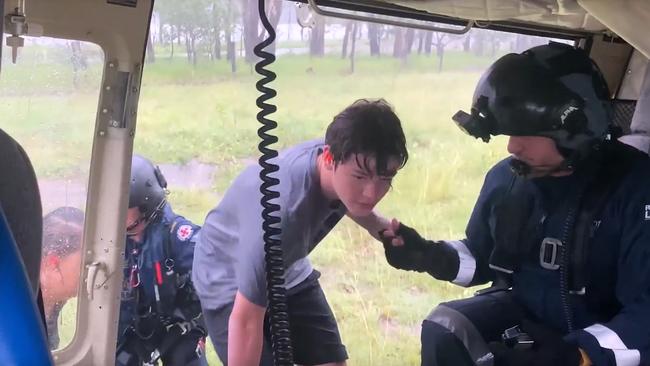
x: 328, y: 159
x: 51, y: 261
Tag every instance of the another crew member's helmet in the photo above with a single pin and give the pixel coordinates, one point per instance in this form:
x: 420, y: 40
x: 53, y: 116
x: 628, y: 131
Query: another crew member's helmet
x: 148, y: 188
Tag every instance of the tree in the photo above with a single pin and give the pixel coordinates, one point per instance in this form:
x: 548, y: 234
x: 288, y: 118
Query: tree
x: 78, y: 60
x: 232, y: 14
x: 317, y: 38
x: 403, y: 43
x: 166, y: 11
x: 409, y: 38
x: 151, y: 53
x: 428, y: 41
x: 374, y: 39
x: 253, y: 31
x: 217, y: 18
x: 346, y: 36
x: 354, y: 46
x: 478, y: 42
x: 440, y: 41
x: 194, y: 25
x: 398, y: 43
x: 467, y: 41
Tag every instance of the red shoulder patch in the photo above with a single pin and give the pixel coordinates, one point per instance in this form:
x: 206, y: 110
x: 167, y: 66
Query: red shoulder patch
x: 184, y: 232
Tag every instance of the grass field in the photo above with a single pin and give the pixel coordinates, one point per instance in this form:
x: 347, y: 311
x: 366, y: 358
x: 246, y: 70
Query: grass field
x: 207, y: 113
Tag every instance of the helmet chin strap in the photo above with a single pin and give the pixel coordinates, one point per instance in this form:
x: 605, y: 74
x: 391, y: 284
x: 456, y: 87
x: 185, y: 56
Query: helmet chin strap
x: 154, y: 215
x: 525, y: 170
x: 150, y: 218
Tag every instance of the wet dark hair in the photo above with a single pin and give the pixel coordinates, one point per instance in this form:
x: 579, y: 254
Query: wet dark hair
x: 62, y: 231
x: 369, y: 127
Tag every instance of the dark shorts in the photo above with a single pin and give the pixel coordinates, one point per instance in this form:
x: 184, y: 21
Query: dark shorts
x: 315, y: 336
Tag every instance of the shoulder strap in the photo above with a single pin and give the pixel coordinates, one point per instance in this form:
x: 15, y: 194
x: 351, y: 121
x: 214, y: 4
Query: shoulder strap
x: 511, y: 215
x: 167, y: 245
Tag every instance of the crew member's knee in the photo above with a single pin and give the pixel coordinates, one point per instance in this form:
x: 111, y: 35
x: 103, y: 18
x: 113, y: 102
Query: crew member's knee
x: 434, y: 335
x: 447, y: 318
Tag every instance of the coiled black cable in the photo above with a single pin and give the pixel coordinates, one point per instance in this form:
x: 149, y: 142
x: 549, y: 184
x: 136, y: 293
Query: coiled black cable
x: 276, y: 292
x: 565, y: 254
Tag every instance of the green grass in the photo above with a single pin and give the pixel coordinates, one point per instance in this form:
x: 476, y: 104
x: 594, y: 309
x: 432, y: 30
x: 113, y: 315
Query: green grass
x: 207, y: 113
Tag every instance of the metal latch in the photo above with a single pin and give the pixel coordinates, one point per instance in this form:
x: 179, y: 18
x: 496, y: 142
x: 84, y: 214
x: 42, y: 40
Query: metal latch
x: 93, y: 268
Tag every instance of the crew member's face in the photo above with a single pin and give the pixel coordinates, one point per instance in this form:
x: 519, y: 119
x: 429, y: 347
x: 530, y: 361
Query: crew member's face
x: 540, y: 153
x: 360, y: 188
x: 135, y: 222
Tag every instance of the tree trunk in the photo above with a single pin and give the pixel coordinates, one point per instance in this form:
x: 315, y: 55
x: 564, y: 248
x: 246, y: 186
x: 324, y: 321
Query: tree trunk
x: 410, y: 37
x: 231, y: 55
x: 467, y: 41
x: 440, y: 51
x: 346, y: 36
x: 78, y: 61
x: 274, y: 11
x: 193, y: 48
x: 233, y: 58
x: 230, y: 45
x: 373, y: 38
x: 353, y: 47
x: 317, y: 39
x: 251, y: 30
x: 398, y: 44
x: 494, y: 45
x: 479, y: 43
x: 171, y: 42
x: 151, y: 53
x: 188, y: 48
x: 161, y: 29
x: 428, y: 41
x: 217, y: 44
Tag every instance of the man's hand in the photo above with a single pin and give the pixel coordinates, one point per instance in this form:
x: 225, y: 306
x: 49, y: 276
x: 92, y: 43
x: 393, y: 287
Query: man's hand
x: 549, y: 349
x: 405, y: 248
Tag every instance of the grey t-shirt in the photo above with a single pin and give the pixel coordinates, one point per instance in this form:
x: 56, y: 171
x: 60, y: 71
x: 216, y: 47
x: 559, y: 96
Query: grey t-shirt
x: 230, y: 253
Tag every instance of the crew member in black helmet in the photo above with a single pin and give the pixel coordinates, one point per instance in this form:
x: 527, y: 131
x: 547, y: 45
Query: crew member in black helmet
x: 160, y: 314
x: 561, y: 227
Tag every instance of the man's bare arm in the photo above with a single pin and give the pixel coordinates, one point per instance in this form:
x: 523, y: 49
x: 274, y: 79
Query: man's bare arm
x: 245, y: 332
x: 374, y: 223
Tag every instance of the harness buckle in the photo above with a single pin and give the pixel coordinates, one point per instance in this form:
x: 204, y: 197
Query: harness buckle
x: 548, y: 253
x: 183, y: 326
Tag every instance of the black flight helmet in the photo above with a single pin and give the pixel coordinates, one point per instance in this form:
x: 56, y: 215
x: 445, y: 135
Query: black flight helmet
x: 554, y: 91
x: 148, y: 188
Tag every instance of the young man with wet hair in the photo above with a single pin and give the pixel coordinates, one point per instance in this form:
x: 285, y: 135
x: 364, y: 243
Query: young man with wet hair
x: 60, y: 265
x: 348, y: 173
x: 562, y: 227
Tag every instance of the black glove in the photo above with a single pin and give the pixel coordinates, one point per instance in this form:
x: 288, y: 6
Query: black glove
x: 414, y: 255
x: 549, y: 349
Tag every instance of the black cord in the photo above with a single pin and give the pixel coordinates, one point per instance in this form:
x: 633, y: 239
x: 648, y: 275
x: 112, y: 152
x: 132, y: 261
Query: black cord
x: 565, y: 253
x: 276, y: 292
